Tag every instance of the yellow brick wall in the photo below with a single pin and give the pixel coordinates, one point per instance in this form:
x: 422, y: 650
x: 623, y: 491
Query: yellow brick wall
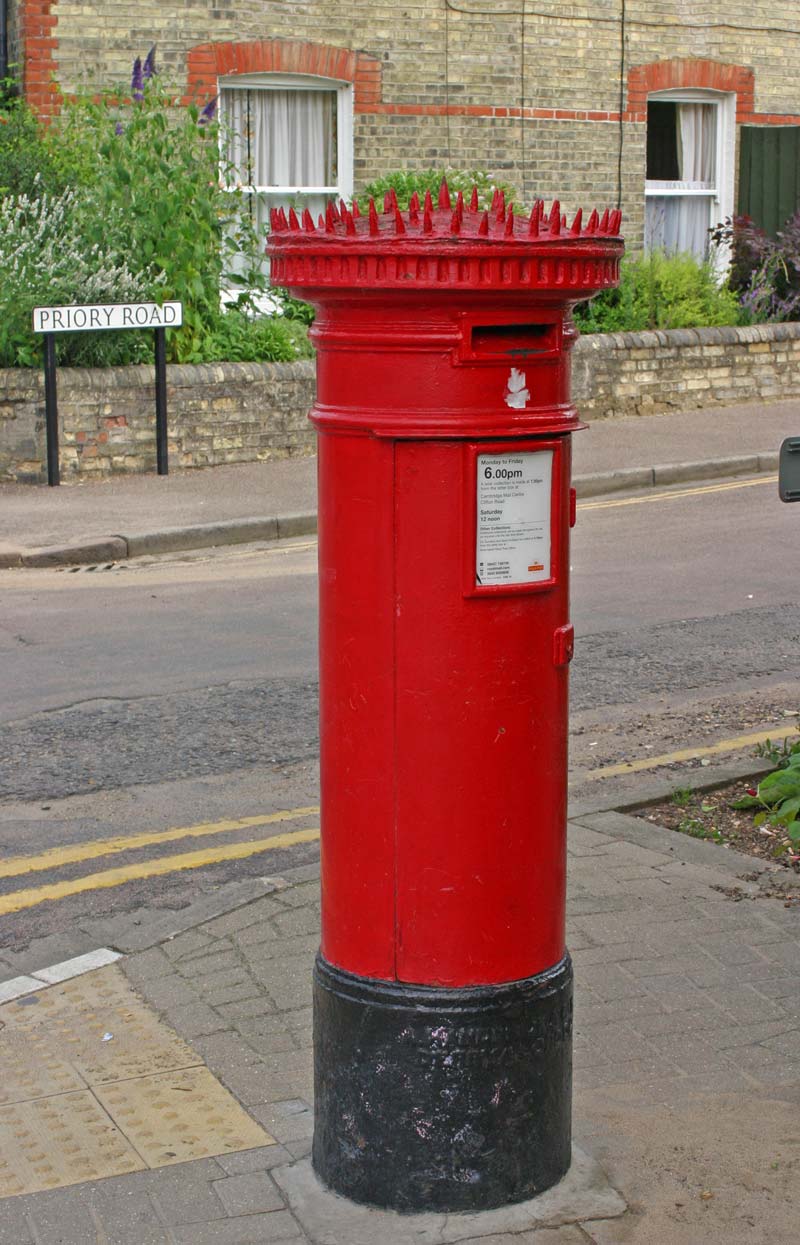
x: 439, y: 57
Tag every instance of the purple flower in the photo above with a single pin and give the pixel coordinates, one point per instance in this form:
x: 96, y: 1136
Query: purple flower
x: 149, y: 70
x: 209, y: 112
x: 137, y: 80
x: 119, y: 128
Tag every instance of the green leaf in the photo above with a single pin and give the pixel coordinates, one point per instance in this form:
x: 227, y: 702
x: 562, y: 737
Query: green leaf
x: 759, y: 819
x: 787, y: 811
x: 779, y: 786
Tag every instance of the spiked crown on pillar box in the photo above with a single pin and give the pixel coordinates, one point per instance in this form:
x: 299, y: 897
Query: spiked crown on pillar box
x: 453, y: 244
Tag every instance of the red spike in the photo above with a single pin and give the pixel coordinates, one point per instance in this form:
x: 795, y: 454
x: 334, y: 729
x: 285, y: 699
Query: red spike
x: 330, y: 219
x: 349, y: 221
x: 387, y: 201
x: 473, y: 200
x: 284, y: 223
x: 374, y: 226
x: 555, y: 219
x: 495, y: 194
x: 444, y: 194
x: 294, y: 223
x: 617, y: 218
x: 603, y: 222
x: 533, y: 222
x: 320, y: 221
x: 399, y: 223
x: 308, y: 221
x: 575, y: 228
x: 334, y: 211
x: 460, y: 205
x: 428, y: 204
x: 483, y: 227
x: 427, y: 215
x: 455, y: 223
x: 510, y: 222
x: 355, y: 210
x: 501, y: 205
x: 413, y: 203
x: 591, y: 224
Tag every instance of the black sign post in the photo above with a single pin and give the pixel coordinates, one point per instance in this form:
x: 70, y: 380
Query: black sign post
x: 162, y: 453
x: 51, y: 408
x: 52, y: 320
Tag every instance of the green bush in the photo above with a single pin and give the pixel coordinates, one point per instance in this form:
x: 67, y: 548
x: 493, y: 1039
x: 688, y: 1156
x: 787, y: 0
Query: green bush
x: 163, y: 165
x: 660, y: 291
x: 404, y: 184
x: 242, y: 338
x: 26, y: 164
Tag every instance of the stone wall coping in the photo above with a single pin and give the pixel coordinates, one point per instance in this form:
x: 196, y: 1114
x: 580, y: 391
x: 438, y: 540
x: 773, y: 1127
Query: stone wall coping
x: 179, y: 375
x: 724, y: 335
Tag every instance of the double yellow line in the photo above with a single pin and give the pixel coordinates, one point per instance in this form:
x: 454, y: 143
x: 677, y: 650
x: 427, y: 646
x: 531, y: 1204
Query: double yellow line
x: 58, y: 857
x: 737, y: 744
x: 646, y: 499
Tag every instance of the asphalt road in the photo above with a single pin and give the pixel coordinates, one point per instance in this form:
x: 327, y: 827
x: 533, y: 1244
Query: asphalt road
x: 180, y: 691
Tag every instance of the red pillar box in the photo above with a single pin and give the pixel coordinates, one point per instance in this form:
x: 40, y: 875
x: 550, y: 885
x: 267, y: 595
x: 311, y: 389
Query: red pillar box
x: 443, y: 987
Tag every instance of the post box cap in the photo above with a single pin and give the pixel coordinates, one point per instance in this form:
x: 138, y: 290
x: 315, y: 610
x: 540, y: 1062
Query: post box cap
x: 347, y: 247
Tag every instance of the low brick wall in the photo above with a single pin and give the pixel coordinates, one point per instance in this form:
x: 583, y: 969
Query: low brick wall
x: 242, y: 412
x: 217, y: 413
x: 649, y: 373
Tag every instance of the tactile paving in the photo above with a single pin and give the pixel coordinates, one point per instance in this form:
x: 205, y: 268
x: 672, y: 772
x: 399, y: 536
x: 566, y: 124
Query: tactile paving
x: 177, y: 1116
x: 93, y: 1084
x: 30, y: 1068
x: 98, y: 1025
x: 60, y: 1140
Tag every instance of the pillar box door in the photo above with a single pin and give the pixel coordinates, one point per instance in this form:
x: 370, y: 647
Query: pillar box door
x: 443, y: 986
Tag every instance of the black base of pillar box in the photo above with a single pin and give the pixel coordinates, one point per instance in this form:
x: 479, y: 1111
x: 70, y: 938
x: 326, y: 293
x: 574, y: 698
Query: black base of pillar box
x: 435, y: 1099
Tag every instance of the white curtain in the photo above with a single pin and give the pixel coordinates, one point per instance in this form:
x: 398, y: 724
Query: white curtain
x: 284, y: 140
x: 697, y: 142
x: 675, y: 222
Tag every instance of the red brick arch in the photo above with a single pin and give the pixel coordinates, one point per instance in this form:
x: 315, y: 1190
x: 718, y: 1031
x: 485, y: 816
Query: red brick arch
x: 207, y: 62
x: 690, y: 72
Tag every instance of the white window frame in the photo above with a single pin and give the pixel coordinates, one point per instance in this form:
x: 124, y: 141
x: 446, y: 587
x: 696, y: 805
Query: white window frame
x: 721, y: 196
x: 343, y: 187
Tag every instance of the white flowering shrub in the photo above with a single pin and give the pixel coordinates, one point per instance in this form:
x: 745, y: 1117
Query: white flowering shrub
x: 46, y: 260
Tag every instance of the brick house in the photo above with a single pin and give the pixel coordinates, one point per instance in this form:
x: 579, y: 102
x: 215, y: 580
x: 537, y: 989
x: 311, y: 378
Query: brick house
x: 680, y: 113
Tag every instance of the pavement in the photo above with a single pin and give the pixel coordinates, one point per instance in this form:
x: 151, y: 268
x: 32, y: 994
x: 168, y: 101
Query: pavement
x: 105, y: 520
x: 157, y: 1090
x: 163, y: 1095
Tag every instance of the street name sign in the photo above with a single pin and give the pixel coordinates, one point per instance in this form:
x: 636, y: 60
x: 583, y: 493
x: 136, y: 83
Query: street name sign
x: 90, y: 317
x: 107, y: 316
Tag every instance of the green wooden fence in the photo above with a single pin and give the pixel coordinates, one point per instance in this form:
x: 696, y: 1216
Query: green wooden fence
x: 769, y: 174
